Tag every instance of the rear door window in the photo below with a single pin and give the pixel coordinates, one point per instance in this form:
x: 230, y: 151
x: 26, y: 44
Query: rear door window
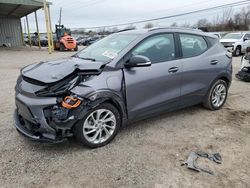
x: 192, y: 45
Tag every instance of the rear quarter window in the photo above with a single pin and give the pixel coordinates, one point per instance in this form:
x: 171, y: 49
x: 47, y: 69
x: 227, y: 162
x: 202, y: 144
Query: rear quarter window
x: 192, y: 45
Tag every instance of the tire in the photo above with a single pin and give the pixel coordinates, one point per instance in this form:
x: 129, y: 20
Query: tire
x: 62, y: 48
x: 91, y: 133
x: 212, y: 96
x: 237, y: 51
x: 76, y: 48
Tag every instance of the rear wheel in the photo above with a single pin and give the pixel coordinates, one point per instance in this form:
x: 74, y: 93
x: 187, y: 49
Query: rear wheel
x: 99, y: 126
x: 62, y: 48
x: 217, y: 95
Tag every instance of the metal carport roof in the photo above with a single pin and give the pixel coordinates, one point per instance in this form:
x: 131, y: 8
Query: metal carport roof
x: 19, y: 8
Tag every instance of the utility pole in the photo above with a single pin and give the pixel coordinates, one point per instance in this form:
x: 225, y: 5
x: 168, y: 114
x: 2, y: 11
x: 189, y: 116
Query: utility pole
x: 60, y: 16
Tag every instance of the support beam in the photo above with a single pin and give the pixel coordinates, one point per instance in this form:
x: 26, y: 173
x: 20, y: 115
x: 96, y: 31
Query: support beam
x: 51, y: 32
x: 47, y: 26
x: 28, y: 28
x: 22, y: 37
x: 13, y: 10
x: 38, y: 33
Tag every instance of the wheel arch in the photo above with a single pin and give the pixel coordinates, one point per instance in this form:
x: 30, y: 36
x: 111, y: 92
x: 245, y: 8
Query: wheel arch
x: 112, y: 98
x: 222, y: 76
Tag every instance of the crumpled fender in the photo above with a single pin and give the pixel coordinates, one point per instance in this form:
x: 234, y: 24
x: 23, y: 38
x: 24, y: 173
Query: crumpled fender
x: 95, y: 98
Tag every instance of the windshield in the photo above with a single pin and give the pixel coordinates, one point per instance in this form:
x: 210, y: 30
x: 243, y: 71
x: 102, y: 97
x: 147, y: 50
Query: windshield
x: 107, y: 48
x: 233, y: 36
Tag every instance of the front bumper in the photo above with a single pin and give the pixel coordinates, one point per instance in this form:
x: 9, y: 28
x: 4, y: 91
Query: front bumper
x: 25, y: 132
x: 30, y: 120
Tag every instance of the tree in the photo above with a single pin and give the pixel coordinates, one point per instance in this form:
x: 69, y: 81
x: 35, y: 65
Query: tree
x: 226, y: 15
x: 245, y: 13
x: 203, y: 23
x: 148, y: 25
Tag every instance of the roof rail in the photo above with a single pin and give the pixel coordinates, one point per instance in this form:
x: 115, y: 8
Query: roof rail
x: 186, y: 28
x: 125, y: 30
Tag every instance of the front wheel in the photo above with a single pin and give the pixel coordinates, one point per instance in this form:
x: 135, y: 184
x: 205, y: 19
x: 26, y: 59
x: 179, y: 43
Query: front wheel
x: 76, y: 48
x: 217, y: 95
x: 99, y: 126
x: 62, y: 48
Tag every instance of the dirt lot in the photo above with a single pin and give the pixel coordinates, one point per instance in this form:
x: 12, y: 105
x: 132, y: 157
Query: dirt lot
x: 145, y: 154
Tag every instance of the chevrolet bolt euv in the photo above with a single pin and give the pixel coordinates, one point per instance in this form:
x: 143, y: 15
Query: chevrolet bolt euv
x: 122, y: 78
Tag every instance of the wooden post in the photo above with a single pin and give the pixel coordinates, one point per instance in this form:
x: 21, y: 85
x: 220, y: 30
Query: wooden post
x: 37, y: 30
x: 47, y: 26
x: 22, y: 36
x: 51, y: 33
x: 28, y: 28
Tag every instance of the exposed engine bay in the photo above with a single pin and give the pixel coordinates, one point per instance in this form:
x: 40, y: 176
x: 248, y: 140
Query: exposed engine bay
x: 50, y: 102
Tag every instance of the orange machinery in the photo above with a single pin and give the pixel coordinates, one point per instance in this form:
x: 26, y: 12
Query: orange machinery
x: 63, y: 40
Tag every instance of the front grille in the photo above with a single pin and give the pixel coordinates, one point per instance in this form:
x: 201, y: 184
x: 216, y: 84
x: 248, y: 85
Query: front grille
x: 227, y: 44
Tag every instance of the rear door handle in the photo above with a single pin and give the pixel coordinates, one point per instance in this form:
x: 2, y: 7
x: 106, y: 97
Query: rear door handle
x: 173, y: 70
x: 214, y: 62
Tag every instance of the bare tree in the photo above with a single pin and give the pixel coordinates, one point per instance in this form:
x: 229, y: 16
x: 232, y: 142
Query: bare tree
x: 203, y: 23
x: 245, y: 13
x: 226, y: 15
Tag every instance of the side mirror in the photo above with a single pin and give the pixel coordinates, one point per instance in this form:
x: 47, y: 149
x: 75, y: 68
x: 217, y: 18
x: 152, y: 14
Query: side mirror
x: 245, y: 39
x: 138, y: 61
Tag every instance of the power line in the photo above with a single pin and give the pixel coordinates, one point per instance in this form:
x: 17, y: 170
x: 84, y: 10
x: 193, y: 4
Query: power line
x: 176, y: 15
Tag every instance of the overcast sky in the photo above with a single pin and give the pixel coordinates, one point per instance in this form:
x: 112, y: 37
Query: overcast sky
x: 91, y: 13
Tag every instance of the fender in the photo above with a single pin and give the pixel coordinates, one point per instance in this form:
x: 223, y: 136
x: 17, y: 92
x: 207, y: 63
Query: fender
x: 224, y: 74
x: 100, y: 96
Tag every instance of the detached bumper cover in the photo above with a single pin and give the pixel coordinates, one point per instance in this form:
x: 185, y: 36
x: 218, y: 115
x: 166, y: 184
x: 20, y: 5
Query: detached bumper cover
x: 25, y: 132
x: 30, y: 120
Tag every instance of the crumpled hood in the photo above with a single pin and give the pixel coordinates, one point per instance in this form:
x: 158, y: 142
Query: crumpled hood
x: 53, y: 71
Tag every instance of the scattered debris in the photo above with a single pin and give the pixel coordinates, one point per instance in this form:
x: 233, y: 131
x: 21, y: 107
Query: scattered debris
x: 191, y: 162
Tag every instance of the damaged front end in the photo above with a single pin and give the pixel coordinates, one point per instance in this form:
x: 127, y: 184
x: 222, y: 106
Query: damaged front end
x: 47, y: 103
x: 244, y: 73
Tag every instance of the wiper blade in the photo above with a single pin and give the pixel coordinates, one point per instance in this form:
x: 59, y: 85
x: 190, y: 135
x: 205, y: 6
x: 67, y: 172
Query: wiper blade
x: 85, y: 58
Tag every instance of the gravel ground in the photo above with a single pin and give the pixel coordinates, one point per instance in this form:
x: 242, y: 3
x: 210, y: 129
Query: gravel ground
x: 145, y: 154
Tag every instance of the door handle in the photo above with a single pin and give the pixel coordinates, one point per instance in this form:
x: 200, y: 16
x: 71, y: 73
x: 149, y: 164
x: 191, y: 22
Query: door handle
x: 173, y: 70
x: 214, y: 62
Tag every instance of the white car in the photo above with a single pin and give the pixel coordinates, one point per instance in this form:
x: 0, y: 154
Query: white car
x: 218, y: 34
x: 236, y: 42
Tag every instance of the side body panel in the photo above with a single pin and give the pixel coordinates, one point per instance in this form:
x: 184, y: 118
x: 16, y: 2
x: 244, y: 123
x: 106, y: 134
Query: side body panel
x: 199, y: 72
x: 151, y: 90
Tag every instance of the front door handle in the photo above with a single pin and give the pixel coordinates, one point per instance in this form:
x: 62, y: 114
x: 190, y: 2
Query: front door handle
x: 214, y: 62
x: 173, y: 70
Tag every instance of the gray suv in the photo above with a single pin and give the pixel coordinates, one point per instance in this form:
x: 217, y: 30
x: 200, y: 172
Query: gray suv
x: 125, y: 77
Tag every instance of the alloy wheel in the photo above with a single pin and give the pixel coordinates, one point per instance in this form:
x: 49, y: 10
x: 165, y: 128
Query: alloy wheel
x: 99, y: 126
x: 219, y: 95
